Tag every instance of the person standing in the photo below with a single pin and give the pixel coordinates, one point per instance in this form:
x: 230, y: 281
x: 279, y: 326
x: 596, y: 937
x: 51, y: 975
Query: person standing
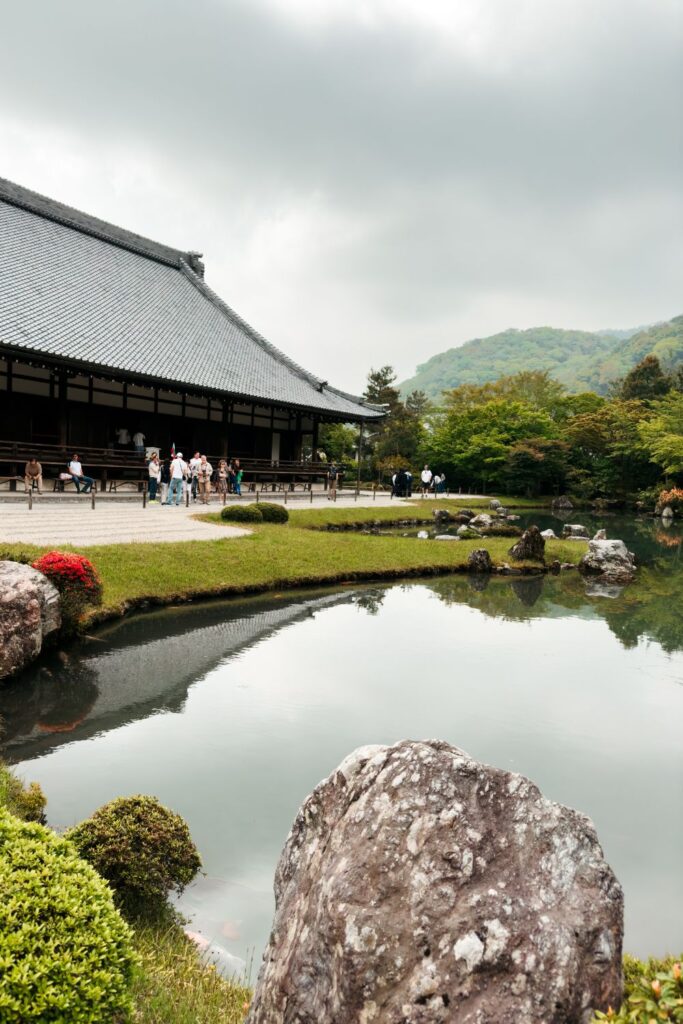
x: 409, y: 483
x: 78, y: 476
x: 154, y: 470
x: 139, y: 442
x: 222, y: 477
x: 332, y: 474
x: 178, y: 475
x: 122, y: 436
x: 239, y: 473
x: 425, y: 480
x: 204, y: 472
x: 165, y: 480
x: 195, y: 463
x: 33, y: 472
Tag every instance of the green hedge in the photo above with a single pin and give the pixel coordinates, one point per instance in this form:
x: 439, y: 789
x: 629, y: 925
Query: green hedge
x: 242, y: 513
x: 143, y: 849
x: 65, y: 952
x: 272, y: 513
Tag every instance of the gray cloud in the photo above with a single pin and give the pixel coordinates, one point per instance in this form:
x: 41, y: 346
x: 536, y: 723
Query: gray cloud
x: 369, y: 187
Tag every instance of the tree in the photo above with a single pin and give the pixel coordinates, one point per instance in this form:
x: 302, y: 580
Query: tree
x: 662, y: 434
x: 418, y: 403
x: 536, y: 464
x: 380, y: 388
x: 338, y: 441
x: 534, y: 388
x: 645, y: 382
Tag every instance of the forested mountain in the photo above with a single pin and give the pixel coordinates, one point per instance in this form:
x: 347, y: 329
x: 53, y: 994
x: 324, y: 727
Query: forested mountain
x: 581, y: 360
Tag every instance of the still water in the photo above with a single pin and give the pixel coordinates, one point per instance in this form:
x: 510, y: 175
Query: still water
x: 231, y: 713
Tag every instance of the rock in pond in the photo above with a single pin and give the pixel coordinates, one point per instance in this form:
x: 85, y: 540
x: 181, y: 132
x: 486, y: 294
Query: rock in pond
x: 667, y: 513
x: 442, y: 516
x: 466, y: 532
x: 600, y: 535
x: 548, y: 534
x: 610, y: 560
x: 483, y: 519
x: 574, y: 531
x: 495, y: 504
x: 562, y: 503
x: 446, y: 536
x: 29, y: 612
x: 531, y: 545
x: 479, y: 560
x: 419, y: 886
x: 422, y: 535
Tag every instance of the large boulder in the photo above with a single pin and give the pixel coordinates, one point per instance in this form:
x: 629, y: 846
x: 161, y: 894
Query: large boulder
x: 29, y: 612
x: 418, y: 886
x: 442, y: 516
x: 483, y: 519
x: 574, y: 531
x: 466, y: 532
x: 609, y: 559
x: 495, y: 504
x: 548, y: 534
x: 530, y: 546
x: 479, y: 560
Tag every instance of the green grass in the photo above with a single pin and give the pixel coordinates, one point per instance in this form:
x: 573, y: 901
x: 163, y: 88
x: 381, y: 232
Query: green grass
x: 274, y: 556
x: 173, y: 986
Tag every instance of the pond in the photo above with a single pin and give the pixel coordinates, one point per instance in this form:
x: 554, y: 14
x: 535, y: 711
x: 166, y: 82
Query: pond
x: 231, y: 712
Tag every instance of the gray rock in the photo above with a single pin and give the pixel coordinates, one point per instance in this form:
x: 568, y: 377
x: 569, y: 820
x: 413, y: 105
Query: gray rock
x: 479, y: 560
x: 483, y: 519
x: 442, y: 516
x: 563, y: 503
x: 29, y: 612
x: 422, y: 535
x: 420, y: 886
x: 531, y: 545
x: 548, y: 535
x: 512, y: 519
x: 609, y: 559
x: 667, y: 513
x: 574, y: 531
x: 495, y: 504
x: 600, y: 535
x: 446, y: 536
x: 467, y: 532
x: 502, y: 512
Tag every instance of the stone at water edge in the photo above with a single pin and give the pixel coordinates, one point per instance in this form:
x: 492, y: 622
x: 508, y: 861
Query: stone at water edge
x: 483, y: 519
x: 495, y: 504
x: 531, y: 545
x: 479, y: 560
x: 467, y: 532
x: 600, y: 535
x: 574, y: 531
x: 667, y: 513
x: 441, y: 516
x: 548, y: 534
x: 419, y: 886
x: 29, y: 612
x: 609, y: 559
x: 446, y: 536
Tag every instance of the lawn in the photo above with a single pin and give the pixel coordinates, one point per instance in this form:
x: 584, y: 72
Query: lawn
x: 273, y: 556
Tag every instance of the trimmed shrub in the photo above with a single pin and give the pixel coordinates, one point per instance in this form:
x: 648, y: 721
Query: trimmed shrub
x: 25, y: 801
x: 272, y: 513
x: 673, y: 499
x: 242, y: 513
x: 143, y: 849
x: 65, y: 952
x: 75, y: 578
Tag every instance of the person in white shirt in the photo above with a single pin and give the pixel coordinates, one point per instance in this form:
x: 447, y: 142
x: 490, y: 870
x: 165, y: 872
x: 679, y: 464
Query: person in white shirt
x: 178, y: 474
x: 122, y: 436
x: 78, y: 477
x: 426, y: 478
x: 195, y: 463
x: 154, y: 470
x: 204, y: 479
x: 139, y: 442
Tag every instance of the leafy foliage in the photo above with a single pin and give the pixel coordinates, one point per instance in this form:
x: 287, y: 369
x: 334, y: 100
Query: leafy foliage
x: 673, y: 499
x: 662, y: 433
x: 143, y: 849
x: 645, y: 381
x: 65, y: 952
x: 272, y: 513
x: 24, y: 801
x: 242, y: 513
x: 654, y: 992
x: 75, y: 578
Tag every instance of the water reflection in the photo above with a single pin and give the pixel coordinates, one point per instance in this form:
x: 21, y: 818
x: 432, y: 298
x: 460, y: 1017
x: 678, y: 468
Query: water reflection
x: 232, y: 712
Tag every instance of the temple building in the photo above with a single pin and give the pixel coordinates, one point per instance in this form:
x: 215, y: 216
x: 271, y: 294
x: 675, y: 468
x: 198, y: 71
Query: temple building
x: 105, y: 334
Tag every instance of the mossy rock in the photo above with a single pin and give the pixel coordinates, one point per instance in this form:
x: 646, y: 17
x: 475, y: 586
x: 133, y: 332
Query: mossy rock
x: 271, y: 512
x: 242, y: 514
x: 66, y: 952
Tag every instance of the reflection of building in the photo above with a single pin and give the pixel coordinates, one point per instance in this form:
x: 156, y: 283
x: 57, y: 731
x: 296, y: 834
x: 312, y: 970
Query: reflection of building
x: 103, y: 331
x: 145, y: 665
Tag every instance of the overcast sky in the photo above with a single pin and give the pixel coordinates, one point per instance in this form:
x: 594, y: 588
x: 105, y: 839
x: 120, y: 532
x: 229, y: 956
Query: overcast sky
x: 370, y: 181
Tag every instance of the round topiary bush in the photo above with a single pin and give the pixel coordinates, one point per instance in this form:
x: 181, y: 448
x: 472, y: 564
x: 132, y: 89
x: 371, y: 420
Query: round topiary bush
x: 65, y: 951
x: 242, y: 513
x: 75, y: 578
x: 143, y: 849
x: 272, y: 513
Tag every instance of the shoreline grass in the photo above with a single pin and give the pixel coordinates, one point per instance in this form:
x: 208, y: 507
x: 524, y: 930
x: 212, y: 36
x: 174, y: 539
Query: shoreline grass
x: 299, y: 554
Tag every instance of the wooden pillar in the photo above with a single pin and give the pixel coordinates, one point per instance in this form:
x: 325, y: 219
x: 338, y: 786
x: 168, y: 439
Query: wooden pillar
x: 63, y: 412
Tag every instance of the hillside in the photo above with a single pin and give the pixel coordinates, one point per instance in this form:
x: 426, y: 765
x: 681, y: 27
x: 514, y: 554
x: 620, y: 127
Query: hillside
x: 581, y: 360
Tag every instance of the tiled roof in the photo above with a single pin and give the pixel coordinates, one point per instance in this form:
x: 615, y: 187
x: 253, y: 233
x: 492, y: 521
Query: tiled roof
x: 77, y: 288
